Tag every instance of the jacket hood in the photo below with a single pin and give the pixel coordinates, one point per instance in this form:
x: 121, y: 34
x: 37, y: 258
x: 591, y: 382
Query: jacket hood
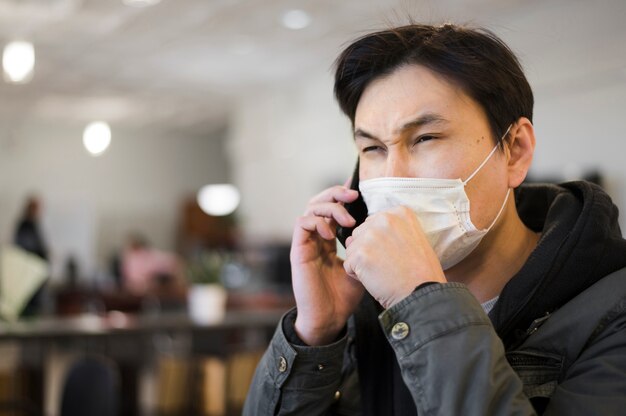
x: 581, y: 242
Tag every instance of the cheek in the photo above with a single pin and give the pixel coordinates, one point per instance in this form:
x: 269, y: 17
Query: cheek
x: 487, y: 197
x: 370, y: 169
x: 481, y: 209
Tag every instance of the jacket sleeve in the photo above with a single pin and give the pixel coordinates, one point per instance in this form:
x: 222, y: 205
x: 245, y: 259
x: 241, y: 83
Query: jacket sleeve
x: 595, y: 384
x: 295, y: 379
x: 450, y: 356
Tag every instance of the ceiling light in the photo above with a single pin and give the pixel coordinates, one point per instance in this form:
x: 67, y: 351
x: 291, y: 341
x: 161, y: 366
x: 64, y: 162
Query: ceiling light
x: 18, y: 62
x: 140, y: 3
x: 219, y: 199
x: 296, y: 19
x: 97, y: 137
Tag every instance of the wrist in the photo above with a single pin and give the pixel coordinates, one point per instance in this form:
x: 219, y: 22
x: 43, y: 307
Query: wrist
x: 316, y: 336
x: 410, y: 289
x: 423, y: 285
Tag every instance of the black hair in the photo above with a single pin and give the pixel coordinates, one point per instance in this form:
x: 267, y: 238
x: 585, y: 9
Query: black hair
x: 476, y: 60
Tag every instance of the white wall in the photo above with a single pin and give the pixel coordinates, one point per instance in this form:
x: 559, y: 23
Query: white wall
x: 287, y: 145
x: 91, y: 204
x: 584, y: 130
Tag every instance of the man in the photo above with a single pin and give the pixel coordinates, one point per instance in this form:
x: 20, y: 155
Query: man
x: 146, y: 269
x: 27, y: 233
x: 29, y: 237
x: 463, y: 292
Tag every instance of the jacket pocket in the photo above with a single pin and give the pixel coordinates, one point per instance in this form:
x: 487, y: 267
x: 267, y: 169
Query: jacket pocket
x: 539, y: 371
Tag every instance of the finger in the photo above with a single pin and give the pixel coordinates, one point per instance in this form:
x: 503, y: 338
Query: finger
x: 332, y: 210
x: 347, y: 267
x: 349, y: 241
x: 335, y: 194
x: 310, y: 224
x: 359, y: 230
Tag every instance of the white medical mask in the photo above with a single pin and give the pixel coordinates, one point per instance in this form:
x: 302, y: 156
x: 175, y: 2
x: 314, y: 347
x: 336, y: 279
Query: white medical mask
x: 441, y: 206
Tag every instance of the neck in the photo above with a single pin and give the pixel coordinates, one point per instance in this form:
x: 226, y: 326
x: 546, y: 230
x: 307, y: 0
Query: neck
x: 498, y: 257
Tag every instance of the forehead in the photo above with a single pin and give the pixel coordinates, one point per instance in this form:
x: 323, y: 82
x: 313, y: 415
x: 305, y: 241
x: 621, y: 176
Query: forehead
x: 389, y: 102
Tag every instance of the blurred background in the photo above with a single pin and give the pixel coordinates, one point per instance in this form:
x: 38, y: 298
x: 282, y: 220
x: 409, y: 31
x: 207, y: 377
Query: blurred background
x: 150, y: 147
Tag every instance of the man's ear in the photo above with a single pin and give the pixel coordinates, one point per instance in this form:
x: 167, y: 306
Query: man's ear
x: 520, y: 147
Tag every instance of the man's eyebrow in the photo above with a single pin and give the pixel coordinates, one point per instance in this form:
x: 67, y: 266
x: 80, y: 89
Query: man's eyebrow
x: 363, y: 134
x: 422, y: 120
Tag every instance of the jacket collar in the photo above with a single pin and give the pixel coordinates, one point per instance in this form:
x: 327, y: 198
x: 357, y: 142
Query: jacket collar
x: 581, y: 243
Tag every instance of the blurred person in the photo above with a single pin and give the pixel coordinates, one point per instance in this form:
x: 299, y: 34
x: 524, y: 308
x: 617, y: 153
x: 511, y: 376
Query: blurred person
x: 28, y: 236
x: 146, y: 269
x: 514, y: 304
x: 71, y: 298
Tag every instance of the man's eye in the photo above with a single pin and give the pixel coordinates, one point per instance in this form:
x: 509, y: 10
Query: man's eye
x: 424, y: 138
x: 371, y: 149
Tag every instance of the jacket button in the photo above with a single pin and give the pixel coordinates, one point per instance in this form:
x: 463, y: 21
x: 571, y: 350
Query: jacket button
x: 337, y: 395
x: 400, y: 331
x: 282, y: 364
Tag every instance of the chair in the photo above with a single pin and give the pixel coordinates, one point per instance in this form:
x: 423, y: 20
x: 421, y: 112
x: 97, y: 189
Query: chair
x: 92, y: 387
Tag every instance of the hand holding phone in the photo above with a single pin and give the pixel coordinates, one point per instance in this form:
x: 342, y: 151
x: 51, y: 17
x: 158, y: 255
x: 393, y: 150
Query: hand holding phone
x: 325, y: 295
x: 357, y: 209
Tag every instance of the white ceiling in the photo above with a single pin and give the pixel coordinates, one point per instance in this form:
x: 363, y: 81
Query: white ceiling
x: 183, y: 63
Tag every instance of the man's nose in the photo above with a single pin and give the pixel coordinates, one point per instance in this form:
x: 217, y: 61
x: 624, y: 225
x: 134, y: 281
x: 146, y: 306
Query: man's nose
x: 398, y: 165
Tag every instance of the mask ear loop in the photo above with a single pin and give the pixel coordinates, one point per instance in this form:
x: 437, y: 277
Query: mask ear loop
x: 487, y: 158
x: 506, y: 198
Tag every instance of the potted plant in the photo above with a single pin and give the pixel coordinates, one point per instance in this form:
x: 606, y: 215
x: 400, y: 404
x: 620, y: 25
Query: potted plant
x: 207, y: 296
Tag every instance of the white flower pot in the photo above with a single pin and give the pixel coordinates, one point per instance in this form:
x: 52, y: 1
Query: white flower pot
x: 207, y: 303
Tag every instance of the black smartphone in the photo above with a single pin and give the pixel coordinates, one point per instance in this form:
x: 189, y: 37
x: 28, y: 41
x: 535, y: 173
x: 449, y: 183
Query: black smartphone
x: 357, y: 209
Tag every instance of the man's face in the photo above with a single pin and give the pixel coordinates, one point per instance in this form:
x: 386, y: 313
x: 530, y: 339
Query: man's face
x: 414, y: 123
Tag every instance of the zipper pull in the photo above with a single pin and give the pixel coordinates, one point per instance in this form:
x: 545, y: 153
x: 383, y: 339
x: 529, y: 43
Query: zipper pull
x: 534, y: 326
